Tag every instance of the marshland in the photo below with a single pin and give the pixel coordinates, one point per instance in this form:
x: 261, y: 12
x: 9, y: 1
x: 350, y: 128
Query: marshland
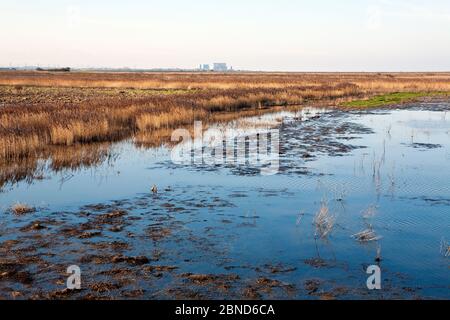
x: 86, y: 179
x: 40, y: 109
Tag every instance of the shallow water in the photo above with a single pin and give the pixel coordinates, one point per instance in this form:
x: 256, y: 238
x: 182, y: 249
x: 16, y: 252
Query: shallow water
x: 254, y: 234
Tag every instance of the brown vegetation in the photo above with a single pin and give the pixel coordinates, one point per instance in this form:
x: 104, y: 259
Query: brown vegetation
x: 374, y: 82
x: 21, y: 208
x: 39, y: 110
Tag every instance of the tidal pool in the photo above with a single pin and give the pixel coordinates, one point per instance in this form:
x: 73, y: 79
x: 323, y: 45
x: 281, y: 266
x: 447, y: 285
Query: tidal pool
x: 226, y: 231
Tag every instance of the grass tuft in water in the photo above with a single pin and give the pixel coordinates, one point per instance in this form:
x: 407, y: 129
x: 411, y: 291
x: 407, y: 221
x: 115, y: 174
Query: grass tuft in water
x: 21, y: 209
x: 445, y: 248
x: 324, y: 221
x: 366, y: 235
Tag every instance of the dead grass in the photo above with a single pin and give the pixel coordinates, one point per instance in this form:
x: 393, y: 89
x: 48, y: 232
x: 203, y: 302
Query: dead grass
x: 367, y: 235
x: 21, y: 209
x: 43, y: 109
x: 324, y: 221
x: 445, y: 248
x: 369, y: 82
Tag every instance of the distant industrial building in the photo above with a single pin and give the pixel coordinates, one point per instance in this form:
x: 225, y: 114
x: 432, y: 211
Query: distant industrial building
x: 220, y: 67
x: 217, y: 67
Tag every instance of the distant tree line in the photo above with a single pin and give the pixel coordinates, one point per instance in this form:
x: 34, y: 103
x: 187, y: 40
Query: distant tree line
x: 67, y: 69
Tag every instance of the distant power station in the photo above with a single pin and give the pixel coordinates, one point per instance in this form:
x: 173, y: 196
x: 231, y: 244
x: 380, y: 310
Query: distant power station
x: 204, y: 67
x: 218, y: 67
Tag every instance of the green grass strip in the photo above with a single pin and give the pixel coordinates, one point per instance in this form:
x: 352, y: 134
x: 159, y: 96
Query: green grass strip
x: 392, y: 99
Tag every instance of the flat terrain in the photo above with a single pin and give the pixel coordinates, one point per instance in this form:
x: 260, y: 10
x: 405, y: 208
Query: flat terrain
x: 360, y: 182
x: 43, y: 109
x: 354, y: 188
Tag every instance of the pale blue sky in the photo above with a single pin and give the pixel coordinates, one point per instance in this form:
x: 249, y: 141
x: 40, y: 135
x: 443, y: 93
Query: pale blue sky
x: 291, y: 35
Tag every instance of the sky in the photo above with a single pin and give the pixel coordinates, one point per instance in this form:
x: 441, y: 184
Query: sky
x: 281, y: 35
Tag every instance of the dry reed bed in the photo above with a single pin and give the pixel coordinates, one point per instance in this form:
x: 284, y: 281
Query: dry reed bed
x: 70, y: 108
x: 370, y: 81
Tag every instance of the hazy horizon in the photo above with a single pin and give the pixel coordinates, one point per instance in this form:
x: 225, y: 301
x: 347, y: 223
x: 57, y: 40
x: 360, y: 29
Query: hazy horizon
x: 362, y: 36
